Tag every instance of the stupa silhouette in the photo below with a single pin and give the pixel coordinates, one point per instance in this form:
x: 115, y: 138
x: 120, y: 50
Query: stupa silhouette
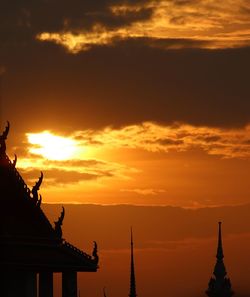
x: 219, y: 285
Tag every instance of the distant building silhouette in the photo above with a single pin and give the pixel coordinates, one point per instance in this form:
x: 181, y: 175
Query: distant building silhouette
x: 30, y: 246
x: 132, y: 292
x: 219, y: 285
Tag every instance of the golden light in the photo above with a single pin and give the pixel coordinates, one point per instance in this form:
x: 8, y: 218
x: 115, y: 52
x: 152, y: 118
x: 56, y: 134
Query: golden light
x: 52, y: 147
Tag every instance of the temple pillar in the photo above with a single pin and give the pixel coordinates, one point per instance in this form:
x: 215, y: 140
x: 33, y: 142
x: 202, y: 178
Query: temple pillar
x: 31, y: 284
x: 69, y: 284
x: 46, y: 284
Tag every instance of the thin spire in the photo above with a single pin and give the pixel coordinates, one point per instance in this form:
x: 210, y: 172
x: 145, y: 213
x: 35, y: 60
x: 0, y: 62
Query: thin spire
x: 220, y: 269
x: 132, y: 292
x: 104, y: 292
x: 219, y: 255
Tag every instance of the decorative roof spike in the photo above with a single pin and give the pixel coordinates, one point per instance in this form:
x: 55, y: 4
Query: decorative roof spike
x: 38, y: 183
x: 39, y: 202
x: 3, y: 137
x: 58, y: 224
x: 132, y: 292
x: 94, y: 253
x: 14, y: 161
x: 36, y: 188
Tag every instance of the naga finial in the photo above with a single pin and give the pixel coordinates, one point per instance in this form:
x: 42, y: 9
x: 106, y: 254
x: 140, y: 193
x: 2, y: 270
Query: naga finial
x: 3, y: 137
x: 94, y: 253
x: 36, y: 188
x: 58, y: 224
x: 14, y: 161
x: 39, y: 202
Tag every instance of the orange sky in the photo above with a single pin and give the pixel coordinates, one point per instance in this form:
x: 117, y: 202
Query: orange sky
x: 151, y: 164
x: 174, y: 248
x: 140, y: 104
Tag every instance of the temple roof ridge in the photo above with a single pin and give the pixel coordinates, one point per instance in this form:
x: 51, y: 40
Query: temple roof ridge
x: 15, y: 191
x: 76, y: 251
x: 25, y: 229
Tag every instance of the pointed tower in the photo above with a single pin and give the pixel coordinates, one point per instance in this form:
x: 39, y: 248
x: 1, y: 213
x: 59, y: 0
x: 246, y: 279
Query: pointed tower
x: 219, y: 285
x: 132, y: 292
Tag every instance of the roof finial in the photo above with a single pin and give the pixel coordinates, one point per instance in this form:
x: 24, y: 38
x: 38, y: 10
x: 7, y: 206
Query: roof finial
x: 58, y: 224
x: 3, y: 137
x: 132, y: 292
x: 94, y: 253
x: 36, y: 188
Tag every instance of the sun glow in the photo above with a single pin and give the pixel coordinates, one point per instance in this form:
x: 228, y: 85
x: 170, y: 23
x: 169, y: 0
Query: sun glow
x: 52, y: 147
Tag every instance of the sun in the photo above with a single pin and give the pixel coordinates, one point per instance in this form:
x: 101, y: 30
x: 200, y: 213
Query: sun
x: 52, y: 147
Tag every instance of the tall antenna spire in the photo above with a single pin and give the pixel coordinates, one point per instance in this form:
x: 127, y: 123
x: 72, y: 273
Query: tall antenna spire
x: 132, y: 292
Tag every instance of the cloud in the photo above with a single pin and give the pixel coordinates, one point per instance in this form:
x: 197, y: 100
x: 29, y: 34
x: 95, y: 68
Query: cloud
x: 2, y: 70
x: 133, y: 79
x: 70, y: 171
x: 227, y: 143
x: 144, y: 192
x: 199, y: 23
x: 80, y: 26
x: 58, y: 177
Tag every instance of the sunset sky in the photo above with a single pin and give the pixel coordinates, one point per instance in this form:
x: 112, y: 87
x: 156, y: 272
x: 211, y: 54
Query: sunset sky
x: 143, y: 103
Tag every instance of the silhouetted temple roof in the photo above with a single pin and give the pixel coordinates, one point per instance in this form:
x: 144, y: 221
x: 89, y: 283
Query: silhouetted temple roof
x: 27, y: 238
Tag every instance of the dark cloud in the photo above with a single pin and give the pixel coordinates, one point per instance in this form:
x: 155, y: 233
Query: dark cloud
x: 128, y: 82
x: 169, y: 141
x: 21, y: 21
x: 74, y: 163
x: 61, y: 177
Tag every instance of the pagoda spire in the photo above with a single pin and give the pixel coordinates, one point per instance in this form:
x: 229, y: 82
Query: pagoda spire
x: 132, y: 292
x: 219, y: 255
x: 219, y: 285
x: 219, y: 269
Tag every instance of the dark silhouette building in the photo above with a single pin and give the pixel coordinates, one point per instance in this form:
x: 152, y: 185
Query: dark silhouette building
x: 219, y: 285
x: 132, y: 292
x: 31, y: 249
